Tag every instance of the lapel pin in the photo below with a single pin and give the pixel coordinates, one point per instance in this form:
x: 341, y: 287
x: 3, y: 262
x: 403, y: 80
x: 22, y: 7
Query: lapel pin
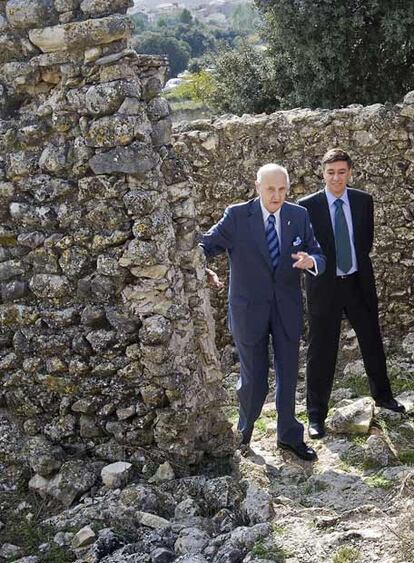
x: 288, y: 223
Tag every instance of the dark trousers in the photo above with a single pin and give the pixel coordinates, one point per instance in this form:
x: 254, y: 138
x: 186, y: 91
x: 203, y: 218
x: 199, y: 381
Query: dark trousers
x: 252, y: 387
x: 324, y: 331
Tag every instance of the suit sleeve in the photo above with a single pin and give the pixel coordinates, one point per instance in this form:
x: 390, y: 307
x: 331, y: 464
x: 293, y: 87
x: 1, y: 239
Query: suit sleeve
x: 370, y: 223
x: 220, y: 237
x: 313, y: 248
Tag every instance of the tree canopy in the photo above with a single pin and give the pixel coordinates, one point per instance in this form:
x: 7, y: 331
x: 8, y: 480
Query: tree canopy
x: 331, y: 54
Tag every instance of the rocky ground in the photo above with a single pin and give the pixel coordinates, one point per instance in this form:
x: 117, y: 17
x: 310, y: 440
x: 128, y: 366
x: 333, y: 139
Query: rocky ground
x: 355, y: 504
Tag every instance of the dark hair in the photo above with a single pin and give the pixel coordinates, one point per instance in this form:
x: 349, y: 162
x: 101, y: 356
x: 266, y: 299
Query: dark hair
x: 335, y: 155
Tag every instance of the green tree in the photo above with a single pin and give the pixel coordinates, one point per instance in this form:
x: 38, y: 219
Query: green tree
x: 186, y: 17
x: 178, y: 52
x: 331, y: 54
x: 140, y: 22
x: 197, y: 37
x: 244, y: 81
x: 198, y: 87
x: 244, y: 19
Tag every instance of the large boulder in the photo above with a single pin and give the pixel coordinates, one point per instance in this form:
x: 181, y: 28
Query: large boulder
x: 73, y: 479
x: 30, y: 13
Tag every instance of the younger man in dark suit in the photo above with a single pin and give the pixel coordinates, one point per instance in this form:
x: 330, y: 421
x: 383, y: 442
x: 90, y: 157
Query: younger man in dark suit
x: 343, y: 221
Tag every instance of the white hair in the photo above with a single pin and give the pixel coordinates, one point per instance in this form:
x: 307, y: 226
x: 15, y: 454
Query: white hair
x: 271, y: 167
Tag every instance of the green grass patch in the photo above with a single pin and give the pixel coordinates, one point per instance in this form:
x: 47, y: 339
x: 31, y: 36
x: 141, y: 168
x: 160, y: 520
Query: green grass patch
x: 29, y: 535
x: 407, y: 458
x: 358, y: 384
x: 346, y: 554
x: 302, y: 416
x: 232, y: 414
x: 260, y: 428
x: 359, y: 440
x: 273, y: 552
x: 278, y: 529
x: 379, y: 482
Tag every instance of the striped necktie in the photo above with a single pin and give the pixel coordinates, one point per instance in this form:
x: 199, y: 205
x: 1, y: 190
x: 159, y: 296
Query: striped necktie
x: 272, y: 241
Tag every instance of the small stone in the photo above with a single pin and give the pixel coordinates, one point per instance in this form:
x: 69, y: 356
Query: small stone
x: 378, y: 452
x: 152, y: 520
x: 164, y: 473
x: 10, y: 551
x: 115, y: 475
x: 124, y: 414
x: 191, y: 540
x: 162, y: 555
x: 187, y: 508
x: 84, y: 537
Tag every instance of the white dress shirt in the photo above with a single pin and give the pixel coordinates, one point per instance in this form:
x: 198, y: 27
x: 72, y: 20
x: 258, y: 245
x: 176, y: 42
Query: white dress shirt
x: 278, y: 228
x: 348, y: 217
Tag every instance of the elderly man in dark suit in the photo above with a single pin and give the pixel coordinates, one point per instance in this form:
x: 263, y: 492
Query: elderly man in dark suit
x: 268, y: 242
x: 343, y: 219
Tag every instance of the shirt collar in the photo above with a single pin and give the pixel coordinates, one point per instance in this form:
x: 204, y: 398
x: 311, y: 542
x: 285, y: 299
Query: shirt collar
x: 331, y: 198
x: 266, y: 214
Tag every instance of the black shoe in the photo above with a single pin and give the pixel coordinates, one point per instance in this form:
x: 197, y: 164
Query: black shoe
x: 301, y: 450
x: 391, y: 405
x: 316, y: 430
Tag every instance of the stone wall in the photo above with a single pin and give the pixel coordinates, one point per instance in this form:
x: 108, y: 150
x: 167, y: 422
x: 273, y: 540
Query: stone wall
x: 106, y: 341
x: 223, y: 155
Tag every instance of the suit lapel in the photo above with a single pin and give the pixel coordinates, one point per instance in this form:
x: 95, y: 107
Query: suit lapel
x: 326, y: 219
x: 257, y: 230
x: 285, y: 228
x: 355, y: 214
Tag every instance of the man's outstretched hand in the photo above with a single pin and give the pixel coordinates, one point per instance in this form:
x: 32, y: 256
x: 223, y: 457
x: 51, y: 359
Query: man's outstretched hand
x: 213, y: 279
x: 303, y: 261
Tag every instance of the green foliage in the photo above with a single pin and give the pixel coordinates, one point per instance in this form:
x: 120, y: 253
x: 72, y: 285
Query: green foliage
x: 140, y: 22
x: 379, y: 482
x: 302, y: 416
x: 331, y: 54
x: 346, y: 554
x: 359, y: 439
x: 180, y: 37
x: 245, y: 81
x: 160, y: 44
x: 358, y: 384
x: 407, y: 458
x: 232, y: 414
x: 278, y: 529
x: 260, y: 428
x: 272, y: 552
x: 185, y: 16
x: 30, y: 533
x: 245, y: 19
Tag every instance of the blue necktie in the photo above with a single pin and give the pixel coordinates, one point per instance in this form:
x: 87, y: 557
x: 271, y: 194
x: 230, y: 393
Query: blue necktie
x: 342, y: 242
x: 272, y: 241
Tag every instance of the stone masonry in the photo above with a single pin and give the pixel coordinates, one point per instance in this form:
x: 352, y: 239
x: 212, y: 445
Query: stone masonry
x: 223, y: 155
x: 106, y: 336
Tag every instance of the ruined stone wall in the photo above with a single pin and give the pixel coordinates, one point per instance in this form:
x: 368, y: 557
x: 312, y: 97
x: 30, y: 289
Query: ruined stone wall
x: 106, y: 337
x: 223, y: 155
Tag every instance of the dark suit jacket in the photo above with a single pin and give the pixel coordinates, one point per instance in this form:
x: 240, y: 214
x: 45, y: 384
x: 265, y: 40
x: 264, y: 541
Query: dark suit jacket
x: 320, y: 291
x: 253, y: 282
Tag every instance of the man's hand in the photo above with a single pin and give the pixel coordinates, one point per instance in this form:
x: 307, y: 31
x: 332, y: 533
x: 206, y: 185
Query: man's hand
x: 303, y: 261
x: 213, y: 279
